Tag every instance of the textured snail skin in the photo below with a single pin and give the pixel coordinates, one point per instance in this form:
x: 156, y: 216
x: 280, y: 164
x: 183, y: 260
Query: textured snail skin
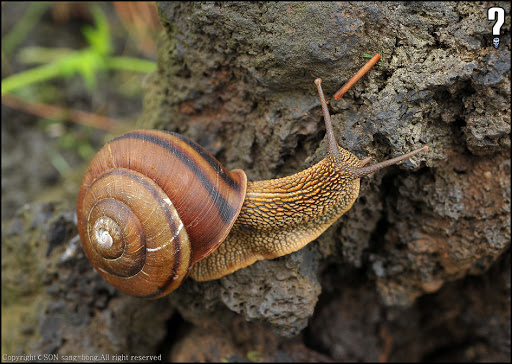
x: 283, y: 215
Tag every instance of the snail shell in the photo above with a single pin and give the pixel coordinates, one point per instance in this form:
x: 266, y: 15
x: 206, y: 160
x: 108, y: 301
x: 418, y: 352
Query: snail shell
x: 151, y: 204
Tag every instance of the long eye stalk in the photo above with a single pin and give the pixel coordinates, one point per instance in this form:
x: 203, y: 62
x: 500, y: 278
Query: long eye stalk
x: 333, y: 150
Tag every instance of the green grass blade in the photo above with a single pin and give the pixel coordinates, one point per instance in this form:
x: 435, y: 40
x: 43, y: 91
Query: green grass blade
x: 131, y: 64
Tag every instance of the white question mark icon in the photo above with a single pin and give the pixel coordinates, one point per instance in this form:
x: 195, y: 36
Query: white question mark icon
x: 491, y: 15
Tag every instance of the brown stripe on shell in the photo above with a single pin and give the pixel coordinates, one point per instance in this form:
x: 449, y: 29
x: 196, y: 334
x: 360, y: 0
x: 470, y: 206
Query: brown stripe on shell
x: 203, y: 170
x: 206, y: 203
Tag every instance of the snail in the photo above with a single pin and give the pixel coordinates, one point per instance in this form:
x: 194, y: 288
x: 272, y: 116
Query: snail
x: 155, y: 207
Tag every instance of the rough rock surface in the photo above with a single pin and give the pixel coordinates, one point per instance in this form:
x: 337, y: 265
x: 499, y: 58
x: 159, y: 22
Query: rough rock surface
x: 237, y: 78
x: 418, y: 269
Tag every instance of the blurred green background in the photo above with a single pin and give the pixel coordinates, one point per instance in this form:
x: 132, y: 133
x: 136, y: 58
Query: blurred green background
x: 72, y: 76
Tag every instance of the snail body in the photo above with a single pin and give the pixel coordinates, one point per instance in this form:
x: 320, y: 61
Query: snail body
x: 280, y: 216
x: 155, y: 207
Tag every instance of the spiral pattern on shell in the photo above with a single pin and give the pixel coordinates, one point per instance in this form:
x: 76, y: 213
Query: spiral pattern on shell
x: 151, y: 204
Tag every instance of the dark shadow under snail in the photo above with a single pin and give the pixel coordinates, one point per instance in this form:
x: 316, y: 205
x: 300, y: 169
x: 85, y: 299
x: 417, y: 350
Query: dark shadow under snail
x: 155, y: 207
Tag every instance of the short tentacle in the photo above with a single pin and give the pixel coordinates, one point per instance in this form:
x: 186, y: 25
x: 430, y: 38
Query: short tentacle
x: 364, y: 171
